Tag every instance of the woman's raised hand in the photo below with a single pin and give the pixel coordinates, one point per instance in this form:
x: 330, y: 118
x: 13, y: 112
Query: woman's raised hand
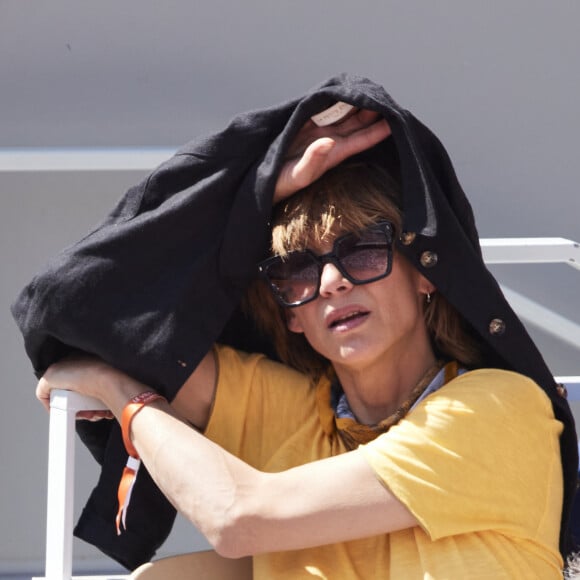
x: 316, y: 149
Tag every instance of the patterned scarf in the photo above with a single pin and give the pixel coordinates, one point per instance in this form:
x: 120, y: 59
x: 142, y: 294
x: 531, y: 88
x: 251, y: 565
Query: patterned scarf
x: 354, y: 433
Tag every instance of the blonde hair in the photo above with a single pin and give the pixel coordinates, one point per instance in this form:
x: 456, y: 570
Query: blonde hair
x: 349, y: 197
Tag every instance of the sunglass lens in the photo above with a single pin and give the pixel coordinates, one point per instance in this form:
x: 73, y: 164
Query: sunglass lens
x: 294, y: 279
x: 364, y: 257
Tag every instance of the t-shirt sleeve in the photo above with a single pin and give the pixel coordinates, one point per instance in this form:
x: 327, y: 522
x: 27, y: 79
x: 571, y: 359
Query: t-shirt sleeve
x: 481, y: 453
x: 258, y: 404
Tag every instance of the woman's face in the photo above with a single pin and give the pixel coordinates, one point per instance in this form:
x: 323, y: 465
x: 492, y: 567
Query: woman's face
x: 355, y: 326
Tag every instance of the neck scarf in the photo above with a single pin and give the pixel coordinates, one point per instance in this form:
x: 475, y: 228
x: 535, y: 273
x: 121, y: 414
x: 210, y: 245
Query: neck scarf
x: 354, y: 433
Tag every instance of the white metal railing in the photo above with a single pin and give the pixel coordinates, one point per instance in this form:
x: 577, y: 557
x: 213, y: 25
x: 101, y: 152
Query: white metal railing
x: 64, y: 405
x: 531, y: 251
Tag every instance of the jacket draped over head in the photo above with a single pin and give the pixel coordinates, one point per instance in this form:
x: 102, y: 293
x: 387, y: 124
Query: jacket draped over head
x: 160, y: 280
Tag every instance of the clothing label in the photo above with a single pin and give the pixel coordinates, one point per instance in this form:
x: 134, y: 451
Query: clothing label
x: 333, y: 114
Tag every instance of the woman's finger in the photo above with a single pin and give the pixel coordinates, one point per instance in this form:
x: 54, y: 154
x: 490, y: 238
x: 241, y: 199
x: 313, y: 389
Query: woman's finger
x: 360, y: 140
x: 43, y: 393
x: 300, y: 172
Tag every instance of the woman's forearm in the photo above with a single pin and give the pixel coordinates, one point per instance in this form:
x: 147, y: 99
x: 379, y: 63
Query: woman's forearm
x: 208, y: 485
x: 211, y: 487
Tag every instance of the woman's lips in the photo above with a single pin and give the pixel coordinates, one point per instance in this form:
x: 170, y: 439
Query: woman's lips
x: 346, y: 319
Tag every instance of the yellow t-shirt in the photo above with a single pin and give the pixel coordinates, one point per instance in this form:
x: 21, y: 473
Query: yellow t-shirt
x: 477, y: 462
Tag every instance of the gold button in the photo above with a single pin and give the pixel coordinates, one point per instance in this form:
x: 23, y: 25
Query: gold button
x: 497, y: 327
x: 562, y: 390
x: 407, y: 238
x: 428, y: 259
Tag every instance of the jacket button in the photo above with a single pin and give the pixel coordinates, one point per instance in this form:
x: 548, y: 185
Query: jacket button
x: 497, y: 327
x: 428, y: 259
x: 407, y: 238
x: 562, y: 390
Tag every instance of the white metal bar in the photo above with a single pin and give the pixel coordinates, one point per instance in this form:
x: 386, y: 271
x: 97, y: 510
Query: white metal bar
x: 87, y: 159
x: 60, y: 497
x: 544, y: 318
x: 531, y: 251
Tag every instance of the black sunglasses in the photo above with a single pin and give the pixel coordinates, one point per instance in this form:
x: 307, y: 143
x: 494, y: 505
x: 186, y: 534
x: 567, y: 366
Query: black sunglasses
x: 361, y: 257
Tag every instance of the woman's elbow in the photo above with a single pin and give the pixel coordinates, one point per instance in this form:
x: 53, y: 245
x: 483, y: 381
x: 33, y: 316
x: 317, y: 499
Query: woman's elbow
x: 236, y: 536
x: 231, y: 526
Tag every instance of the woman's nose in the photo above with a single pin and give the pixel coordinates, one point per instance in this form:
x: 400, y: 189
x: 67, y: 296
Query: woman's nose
x: 332, y: 280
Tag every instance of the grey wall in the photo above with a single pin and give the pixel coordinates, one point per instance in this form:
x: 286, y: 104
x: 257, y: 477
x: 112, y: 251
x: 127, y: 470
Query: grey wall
x: 497, y: 81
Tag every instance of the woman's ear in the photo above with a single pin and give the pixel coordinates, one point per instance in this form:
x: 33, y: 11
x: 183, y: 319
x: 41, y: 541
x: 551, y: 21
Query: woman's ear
x: 292, y: 321
x: 425, y: 286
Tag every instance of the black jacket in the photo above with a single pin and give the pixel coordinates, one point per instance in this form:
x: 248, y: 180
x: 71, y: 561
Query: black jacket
x: 160, y: 280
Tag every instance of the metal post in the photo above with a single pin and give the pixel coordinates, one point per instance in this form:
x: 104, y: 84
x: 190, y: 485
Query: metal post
x: 61, y: 460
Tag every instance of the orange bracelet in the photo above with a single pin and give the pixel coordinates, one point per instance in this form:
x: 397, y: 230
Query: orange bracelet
x: 131, y: 409
x: 130, y: 471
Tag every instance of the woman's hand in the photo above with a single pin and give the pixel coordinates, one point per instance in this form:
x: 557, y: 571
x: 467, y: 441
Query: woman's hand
x: 317, y: 149
x: 91, y: 377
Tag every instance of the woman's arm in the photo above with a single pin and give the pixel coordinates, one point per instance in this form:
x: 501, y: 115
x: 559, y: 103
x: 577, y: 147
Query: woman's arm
x: 194, y: 400
x: 243, y: 511
x: 239, y: 509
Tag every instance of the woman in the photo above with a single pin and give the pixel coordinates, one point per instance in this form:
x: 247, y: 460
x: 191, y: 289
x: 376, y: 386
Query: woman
x: 375, y: 451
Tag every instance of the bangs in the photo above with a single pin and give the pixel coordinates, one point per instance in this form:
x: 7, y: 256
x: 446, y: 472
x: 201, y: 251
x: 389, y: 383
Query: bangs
x: 347, y: 198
